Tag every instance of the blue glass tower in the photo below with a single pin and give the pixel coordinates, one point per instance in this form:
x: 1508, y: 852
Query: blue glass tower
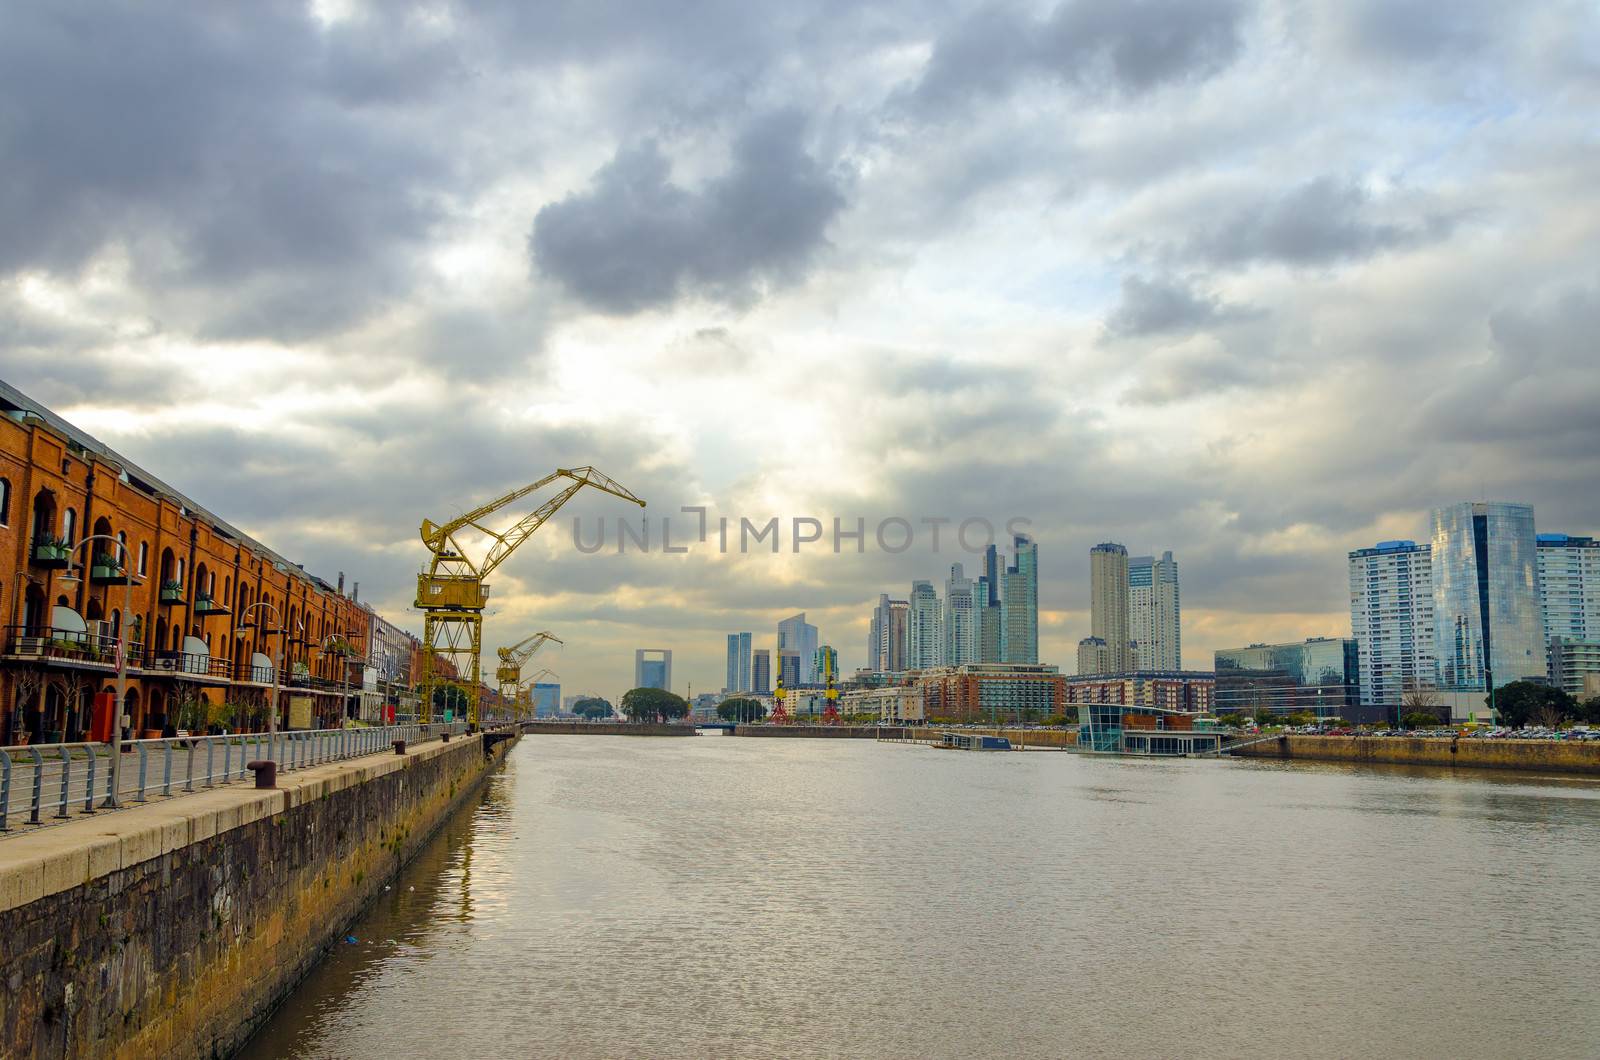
x: 1487, y: 627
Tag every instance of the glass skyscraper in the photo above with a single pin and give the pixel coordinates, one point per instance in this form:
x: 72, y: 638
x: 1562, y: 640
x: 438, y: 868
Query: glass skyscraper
x: 1488, y: 630
x: 1019, y: 603
x: 738, y: 679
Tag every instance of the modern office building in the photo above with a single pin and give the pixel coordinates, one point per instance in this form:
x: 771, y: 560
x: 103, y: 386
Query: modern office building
x: 1391, y: 619
x: 652, y: 668
x: 1575, y: 667
x: 1108, y: 604
x: 738, y: 679
x: 1019, y: 603
x: 1487, y: 626
x: 790, y: 668
x: 960, y: 619
x: 886, y: 635
x: 924, y: 628
x: 1319, y: 676
x: 799, y: 636
x: 1154, y: 612
x: 546, y: 700
x: 1569, y: 586
x: 990, y: 622
x: 826, y: 664
x: 761, y: 672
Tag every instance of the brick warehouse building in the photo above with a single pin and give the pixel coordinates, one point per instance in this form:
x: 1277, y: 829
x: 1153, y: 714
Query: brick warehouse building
x: 977, y: 691
x: 199, y: 652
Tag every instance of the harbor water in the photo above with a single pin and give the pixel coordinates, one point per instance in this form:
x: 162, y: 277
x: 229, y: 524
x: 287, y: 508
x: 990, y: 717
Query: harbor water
x: 718, y: 896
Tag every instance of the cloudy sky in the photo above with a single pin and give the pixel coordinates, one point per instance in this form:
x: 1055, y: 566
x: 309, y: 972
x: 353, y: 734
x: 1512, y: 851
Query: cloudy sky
x: 1257, y: 282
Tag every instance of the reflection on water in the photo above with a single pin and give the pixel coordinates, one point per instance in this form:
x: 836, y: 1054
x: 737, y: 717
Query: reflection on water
x: 730, y: 897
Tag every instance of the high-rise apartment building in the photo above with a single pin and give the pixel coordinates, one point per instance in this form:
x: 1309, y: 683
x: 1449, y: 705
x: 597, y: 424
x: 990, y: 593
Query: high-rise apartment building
x: 1569, y: 586
x: 1108, y: 604
x: 886, y: 636
x: 1093, y: 656
x: 960, y: 619
x: 1019, y: 603
x: 924, y: 628
x: 738, y: 679
x: 1154, y: 614
x: 652, y: 668
x: 761, y: 672
x: 1487, y: 626
x: 799, y: 636
x: 987, y: 596
x: 826, y: 664
x: 1391, y: 619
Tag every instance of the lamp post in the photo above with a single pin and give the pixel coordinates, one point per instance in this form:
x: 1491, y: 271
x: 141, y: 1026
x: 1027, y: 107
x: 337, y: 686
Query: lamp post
x: 277, y: 671
x: 339, y: 644
x: 112, y: 800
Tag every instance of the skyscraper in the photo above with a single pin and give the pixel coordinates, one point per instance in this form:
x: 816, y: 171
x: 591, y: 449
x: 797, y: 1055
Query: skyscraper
x: 652, y: 668
x: 1569, y: 586
x: 799, y: 636
x: 826, y: 662
x: 1019, y: 603
x: 761, y: 672
x: 924, y: 635
x: 886, y: 635
x: 1391, y: 619
x: 738, y: 663
x: 960, y: 619
x: 1486, y: 623
x: 1108, y: 604
x: 987, y: 595
x: 991, y: 574
x: 789, y: 667
x: 1154, y: 617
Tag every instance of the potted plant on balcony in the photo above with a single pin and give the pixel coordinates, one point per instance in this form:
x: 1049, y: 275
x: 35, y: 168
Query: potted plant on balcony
x: 171, y: 592
x: 51, y: 551
x: 105, y: 569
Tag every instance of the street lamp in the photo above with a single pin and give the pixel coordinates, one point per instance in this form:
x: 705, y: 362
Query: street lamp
x: 112, y: 801
x: 277, y: 671
x: 330, y: 646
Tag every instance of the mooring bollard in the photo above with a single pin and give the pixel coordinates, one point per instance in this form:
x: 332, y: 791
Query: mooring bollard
x: 266, y: 772
x: 444, y: 737
x: 399, y: 747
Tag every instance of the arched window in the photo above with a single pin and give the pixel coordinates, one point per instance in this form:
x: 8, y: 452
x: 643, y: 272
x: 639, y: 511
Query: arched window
x: 144, y: 556
x: 116, y: 624
x: 5, y: 502
x: 122, y: 548
x: 180, y: 571
x: 69, y: 526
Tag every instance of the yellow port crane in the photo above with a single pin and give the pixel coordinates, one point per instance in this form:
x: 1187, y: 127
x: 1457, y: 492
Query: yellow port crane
x: 451, y: 593
x: 512, y: 659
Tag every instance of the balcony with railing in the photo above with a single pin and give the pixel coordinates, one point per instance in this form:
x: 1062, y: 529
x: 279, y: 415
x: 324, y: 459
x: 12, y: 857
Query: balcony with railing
x: 187, y: 665
x: 205, y: 605
x: 68, y: 646
x: 171, y: 593
x: 105, y: 570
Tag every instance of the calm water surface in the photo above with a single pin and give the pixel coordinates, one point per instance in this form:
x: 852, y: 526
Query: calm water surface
x: 716, y: 896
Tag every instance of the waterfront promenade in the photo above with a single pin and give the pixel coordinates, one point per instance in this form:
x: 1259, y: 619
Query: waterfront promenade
x: 171, y: 928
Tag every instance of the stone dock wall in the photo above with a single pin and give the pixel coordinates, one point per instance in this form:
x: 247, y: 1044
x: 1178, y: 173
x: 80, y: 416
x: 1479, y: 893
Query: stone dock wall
x: 605, y: 728
x: 1538, y: 756
x: 172, y: 929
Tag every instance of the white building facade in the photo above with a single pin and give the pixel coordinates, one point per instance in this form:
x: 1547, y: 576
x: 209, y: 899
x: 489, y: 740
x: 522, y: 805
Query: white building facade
x: 1155, y: 613
x: 924, y: 628
x: 1391, y: 619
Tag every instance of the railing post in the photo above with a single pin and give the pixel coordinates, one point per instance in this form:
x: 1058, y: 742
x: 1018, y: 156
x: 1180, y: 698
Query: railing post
x: 88, y: 788
x: 66, y: 773
x: 5, y: 788
x: 38, y: 786
x: 188, y: 774
x: 211, y: 776
x: 143, y: 761
x: 166, y: 780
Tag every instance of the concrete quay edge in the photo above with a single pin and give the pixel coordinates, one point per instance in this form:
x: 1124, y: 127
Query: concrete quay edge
x: 57, y: 858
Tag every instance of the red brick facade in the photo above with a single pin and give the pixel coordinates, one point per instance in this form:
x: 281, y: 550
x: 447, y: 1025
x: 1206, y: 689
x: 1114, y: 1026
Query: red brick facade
x: 194, y: 630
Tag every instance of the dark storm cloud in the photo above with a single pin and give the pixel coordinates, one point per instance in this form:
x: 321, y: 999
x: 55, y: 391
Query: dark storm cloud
x: 208, y: 143
x: 1125, y: 48
x: 1167, y: 306
x: 634, y: 240
x: 1324, y: 221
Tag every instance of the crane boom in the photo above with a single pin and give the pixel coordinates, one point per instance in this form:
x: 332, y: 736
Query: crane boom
x: 451, y: 593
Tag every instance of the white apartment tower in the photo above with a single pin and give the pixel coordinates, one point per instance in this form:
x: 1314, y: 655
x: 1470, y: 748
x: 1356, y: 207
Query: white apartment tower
x: 1569, y: 586
x: 1108, y: 604
x: 924, y: 628
x: 1391, y: 619
x: 960, y: 619
x: 1154, y: 616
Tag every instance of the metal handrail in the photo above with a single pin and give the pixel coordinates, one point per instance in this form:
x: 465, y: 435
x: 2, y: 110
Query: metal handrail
x: 37, y: 777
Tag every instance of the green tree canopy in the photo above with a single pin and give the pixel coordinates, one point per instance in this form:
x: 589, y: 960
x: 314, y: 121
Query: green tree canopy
x: 653, y: 704
x: 741, y: 708
x: 1529, y: 702
x: 593, y: 707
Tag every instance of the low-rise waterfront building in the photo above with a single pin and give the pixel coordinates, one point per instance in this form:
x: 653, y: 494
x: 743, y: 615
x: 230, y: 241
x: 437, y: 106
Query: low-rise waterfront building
x: 1317, y: 676
x: 1181, y: 691
x: 208, y: 616
x: 982, y: 691
x: 891, y: 705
